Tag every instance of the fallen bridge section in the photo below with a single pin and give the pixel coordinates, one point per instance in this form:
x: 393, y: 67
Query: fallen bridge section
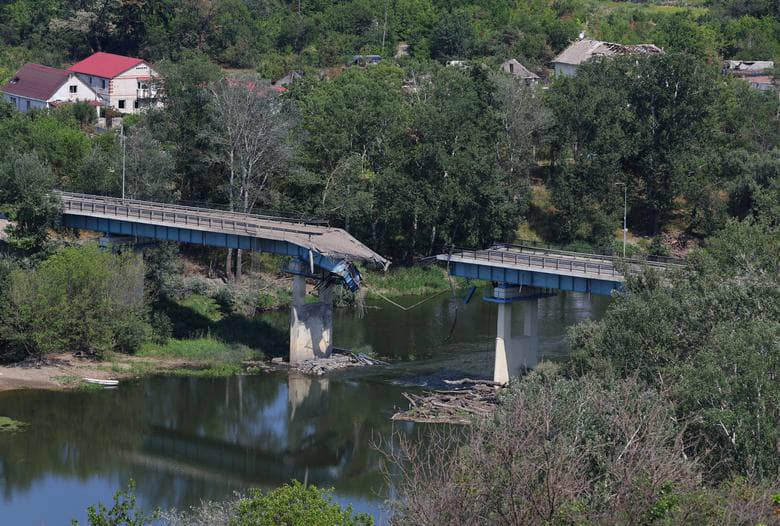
x: 316, y: 250
x: 321, y: 246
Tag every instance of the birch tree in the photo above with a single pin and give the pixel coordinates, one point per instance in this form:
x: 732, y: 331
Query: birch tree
x: 251, y: 128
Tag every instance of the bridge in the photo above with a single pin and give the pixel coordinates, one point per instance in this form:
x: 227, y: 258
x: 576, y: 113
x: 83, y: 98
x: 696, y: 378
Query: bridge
x: 319, y: 251
x: 515, y: 267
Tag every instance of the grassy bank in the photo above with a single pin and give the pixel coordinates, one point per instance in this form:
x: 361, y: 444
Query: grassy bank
x: 409, y: 281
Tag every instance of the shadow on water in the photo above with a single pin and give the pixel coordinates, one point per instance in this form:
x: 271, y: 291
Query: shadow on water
x: 187, y: 439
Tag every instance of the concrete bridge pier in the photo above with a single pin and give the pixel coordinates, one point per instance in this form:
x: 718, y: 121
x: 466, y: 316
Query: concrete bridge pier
x: 311, y: 325
x: 515, y: 354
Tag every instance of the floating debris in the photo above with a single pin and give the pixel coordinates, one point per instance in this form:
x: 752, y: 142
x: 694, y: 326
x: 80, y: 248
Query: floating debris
x: 336, y: 361
x: 458, y: 406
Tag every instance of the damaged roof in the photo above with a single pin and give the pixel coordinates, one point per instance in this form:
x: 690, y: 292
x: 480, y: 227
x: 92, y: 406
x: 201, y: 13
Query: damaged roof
x: 584, y: 49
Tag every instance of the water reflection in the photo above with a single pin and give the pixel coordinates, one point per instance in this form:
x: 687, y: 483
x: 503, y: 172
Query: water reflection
x: 188, y: 439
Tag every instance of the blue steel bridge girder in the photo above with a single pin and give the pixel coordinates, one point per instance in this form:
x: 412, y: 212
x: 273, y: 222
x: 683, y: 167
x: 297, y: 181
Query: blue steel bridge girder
x: 533, y: 278
x: 339, y: 267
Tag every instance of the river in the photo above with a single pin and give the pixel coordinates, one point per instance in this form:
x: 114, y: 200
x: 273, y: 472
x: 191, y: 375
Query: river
x: 187, y: 439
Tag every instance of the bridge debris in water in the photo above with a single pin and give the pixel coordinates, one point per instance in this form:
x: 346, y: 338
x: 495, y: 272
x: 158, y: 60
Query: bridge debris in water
x: 337, y: 361
x: 458, y: 406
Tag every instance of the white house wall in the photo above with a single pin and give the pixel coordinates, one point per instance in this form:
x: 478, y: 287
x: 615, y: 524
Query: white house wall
x: 82, y: 91
x: 125, y: 87
x: 567, y: 70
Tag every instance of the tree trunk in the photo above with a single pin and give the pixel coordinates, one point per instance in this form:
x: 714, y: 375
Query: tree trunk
x: 228, y: 265
x: 238, y: 265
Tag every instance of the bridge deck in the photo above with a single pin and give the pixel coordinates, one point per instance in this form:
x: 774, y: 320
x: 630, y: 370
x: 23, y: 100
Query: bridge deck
x: 324, y: 240
x: 529, y: 259
x: 547, y: 268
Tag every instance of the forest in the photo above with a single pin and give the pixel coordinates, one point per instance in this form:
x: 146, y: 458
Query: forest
x: 415, y: 155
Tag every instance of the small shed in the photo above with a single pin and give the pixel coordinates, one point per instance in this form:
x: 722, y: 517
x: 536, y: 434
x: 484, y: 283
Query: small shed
x: 513, y: 67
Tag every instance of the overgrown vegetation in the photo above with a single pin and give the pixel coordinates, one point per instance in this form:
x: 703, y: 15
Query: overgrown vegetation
x: 667, y: 412
x: 292, y: 504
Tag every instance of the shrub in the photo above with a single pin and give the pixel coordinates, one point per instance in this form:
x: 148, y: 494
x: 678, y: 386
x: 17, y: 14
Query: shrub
x: 124, y: 511
x: 79, y: 299
x: 295, y: 505
x: 557, y: 451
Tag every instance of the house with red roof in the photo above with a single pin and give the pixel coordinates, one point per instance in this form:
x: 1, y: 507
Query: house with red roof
x: 36, y: 86
x: 126, y: 84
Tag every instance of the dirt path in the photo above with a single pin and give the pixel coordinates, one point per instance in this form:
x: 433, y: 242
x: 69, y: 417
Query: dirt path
x: 64, y: 371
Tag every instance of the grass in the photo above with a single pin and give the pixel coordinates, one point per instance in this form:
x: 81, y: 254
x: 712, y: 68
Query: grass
x: 407, y: 281
x: 203, y: 306
x: 9, y: 425
x: 206, y: 349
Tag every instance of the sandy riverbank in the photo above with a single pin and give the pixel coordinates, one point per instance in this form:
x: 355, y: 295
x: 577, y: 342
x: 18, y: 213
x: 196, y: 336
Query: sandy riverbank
x: 65, y: 371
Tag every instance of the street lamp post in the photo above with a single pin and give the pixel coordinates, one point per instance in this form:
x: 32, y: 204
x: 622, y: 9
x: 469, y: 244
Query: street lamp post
x: 625, y: 215
x: 124, y: 155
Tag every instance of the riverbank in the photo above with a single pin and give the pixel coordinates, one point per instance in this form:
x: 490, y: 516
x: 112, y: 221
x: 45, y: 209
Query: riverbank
x: 198, y: 357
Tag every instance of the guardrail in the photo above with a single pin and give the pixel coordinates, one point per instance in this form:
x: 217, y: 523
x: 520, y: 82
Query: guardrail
x: 178, y: 215
x: 193, y: 207
x: 644, y: 260
x: 539, y: 261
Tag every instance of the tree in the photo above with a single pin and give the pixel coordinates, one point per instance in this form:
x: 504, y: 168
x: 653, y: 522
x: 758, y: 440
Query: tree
x: 649, y: 122
x: 79, y: 299
x: 561, y: 451
x: 708, y: 334
x: 26, y: 197
x: 124, y: 511
x: 149, y: 168
x: 251, y: 130
x: 525, y: 121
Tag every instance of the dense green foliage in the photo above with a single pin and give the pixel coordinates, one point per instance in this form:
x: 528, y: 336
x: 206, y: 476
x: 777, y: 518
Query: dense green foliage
x: 292, y: 504
x: 710, y: 338
x: 79, y: 299
x: 412, y: 156
x: 295, y: 505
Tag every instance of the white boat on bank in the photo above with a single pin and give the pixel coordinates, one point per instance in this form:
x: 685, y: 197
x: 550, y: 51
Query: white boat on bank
x: 98, y: 381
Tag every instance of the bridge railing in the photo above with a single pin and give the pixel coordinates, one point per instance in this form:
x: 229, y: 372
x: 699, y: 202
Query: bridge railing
x: 177, y: 214
x: 643, y: 260
x: 540, y: 261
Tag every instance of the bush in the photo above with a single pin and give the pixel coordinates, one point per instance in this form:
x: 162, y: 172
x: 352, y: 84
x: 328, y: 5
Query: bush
x: 124, y: 512
x: 295, y: 505
x: 562, y: 451
x: 79, y: 299
x: 710, y: 334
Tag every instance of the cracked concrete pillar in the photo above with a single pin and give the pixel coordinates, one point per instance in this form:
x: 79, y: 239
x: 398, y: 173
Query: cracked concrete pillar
x: 311, y: 325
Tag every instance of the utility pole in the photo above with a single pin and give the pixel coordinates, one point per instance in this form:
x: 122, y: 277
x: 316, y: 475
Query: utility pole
x: 625, y: 215
x: 124, y: 155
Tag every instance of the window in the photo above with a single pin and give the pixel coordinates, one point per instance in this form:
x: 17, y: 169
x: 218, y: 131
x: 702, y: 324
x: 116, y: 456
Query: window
x: 135, y: 104
x: 511, y: 68
x: 28, y: 104
x: 73, y: 89
x: 103, y: 83
x: 121, y: 104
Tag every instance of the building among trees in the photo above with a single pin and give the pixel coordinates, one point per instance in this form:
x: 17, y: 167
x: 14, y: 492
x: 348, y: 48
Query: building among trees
x: 584, y: 49
x: 513, y: 67
x: 126, y: 84
x: 36, y: 86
